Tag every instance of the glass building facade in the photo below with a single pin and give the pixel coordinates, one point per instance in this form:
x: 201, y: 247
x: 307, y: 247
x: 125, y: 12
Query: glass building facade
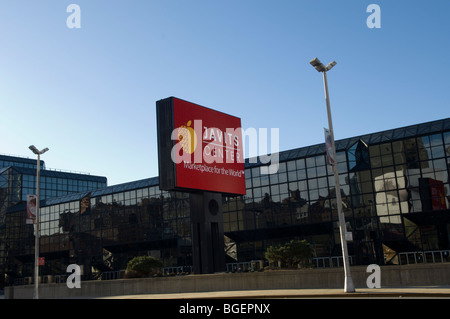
x: 17, y: 180
x: 394, y: 186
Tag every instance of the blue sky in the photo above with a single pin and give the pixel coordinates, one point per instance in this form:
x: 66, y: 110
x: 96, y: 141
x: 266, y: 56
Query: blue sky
x: 89, y: 94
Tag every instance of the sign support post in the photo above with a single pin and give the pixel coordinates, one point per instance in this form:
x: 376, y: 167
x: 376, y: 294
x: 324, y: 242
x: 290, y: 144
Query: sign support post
x: 207, y: 233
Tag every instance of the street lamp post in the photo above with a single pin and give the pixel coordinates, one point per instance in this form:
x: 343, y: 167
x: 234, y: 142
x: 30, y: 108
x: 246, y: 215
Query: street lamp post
x: 348, y: 284
x: 36, y: 237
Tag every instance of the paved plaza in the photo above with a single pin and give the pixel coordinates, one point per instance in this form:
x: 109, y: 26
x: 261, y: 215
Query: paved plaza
x: 389, y: 292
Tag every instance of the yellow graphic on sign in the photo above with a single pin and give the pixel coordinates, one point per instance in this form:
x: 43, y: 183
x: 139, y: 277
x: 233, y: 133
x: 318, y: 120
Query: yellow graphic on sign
x: 187, y: 138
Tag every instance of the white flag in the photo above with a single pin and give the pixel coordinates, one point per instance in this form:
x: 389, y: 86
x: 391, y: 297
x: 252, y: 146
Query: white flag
x: 31, y: 209
x: 329, y: 147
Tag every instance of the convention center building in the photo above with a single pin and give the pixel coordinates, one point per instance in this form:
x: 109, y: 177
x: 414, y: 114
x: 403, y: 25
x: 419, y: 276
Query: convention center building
x: 394, y: 187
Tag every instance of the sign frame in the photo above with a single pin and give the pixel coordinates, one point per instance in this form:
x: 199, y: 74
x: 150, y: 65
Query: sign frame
x: 210, y: 159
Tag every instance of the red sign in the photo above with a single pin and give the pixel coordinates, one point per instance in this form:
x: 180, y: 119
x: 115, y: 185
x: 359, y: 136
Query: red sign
x: 41, y: 261
x: 206, y: 151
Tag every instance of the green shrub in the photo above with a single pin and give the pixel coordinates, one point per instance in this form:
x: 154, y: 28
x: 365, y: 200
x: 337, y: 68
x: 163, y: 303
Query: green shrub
x: 143, y: 266
x: 291, y: 255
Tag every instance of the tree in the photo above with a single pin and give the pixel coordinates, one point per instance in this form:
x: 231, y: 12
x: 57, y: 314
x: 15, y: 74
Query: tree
x: 291, y: 254
x: 143, y: 266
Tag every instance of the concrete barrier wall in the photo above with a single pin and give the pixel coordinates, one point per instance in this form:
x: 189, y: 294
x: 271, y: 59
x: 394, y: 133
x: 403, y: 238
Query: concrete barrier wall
x: 391, y: 276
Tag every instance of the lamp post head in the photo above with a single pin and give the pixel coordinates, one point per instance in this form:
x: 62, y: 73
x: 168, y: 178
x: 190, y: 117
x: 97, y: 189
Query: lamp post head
x: 319, y: 65
x: 330, y: 65
x: 36, y: 151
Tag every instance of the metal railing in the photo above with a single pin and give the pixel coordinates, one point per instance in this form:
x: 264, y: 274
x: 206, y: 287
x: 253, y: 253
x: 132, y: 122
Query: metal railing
x: 245, y: 266
x: 111, y: 275
x: 177, y: 270
x: 317, y: 262
x: 424, y: 257
x: 330, y: 262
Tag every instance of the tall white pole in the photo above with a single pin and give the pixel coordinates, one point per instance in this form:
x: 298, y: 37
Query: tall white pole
x: 36, y: 237
x: 348, y: 284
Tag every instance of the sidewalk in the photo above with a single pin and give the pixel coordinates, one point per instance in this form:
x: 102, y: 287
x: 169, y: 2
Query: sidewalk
x: 403, y: 292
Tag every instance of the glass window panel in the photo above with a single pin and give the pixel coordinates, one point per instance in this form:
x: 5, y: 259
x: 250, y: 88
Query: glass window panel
x: 320, y: 160
x: 313, y: 195
x: 387, y: 159
x: 437, y: 151
x: 312, y: 172
x: 425, y: 140
x: 425, y: 154
x: 284, y: 188
x: 255, y: 171
x: 375, y: 161
x: 284, y: 196
x: 310, y: 162
x: 399, y: 158
x: 439, y: 165
x: 435, y: 140
x: 282, y: 177
x: 322, y: 182
x: 312, y: 183
x: 276, y: 198
x: 274, y: 190
x: 331, y: 180
x: 300, y: 163
x: 341, y: 157
x: 374, y: 150
x: 292, y: 176
x: 291, y: 166
x: 342, y: 168
x: 257, y: 192
x: 381, y: 198
x: 273, y: 178
x: 264, y: 180
x: 397, y: 147
x: 323, y: 192
x: 321, y: 171
x: 447, y: 138
x: 301, y: 174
